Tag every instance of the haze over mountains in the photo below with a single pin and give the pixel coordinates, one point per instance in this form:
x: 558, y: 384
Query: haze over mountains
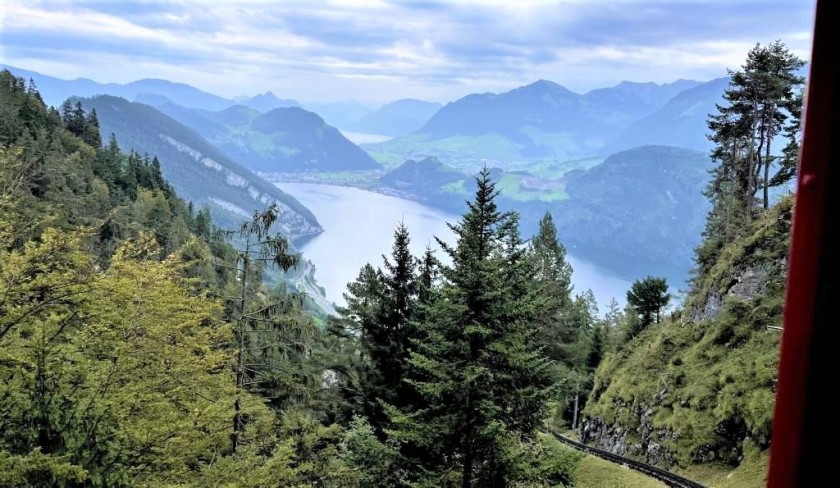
x: 548, y: 144
x: 282, y: 140
x: 545, y: 121
x: 396, y: 118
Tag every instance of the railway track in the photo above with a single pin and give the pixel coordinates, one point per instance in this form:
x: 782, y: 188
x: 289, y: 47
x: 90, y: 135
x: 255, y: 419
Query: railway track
x: 660, y: 474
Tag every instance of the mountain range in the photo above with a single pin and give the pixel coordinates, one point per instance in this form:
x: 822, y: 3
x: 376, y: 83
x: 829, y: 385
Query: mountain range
x: 267, y: 101
x: 282, y: 140
x: 680, y: 122
x: 545, y: 121
x: 200, y: 172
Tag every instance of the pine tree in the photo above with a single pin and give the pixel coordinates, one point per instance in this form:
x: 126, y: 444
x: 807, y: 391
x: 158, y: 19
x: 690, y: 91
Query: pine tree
x: 762, y: 102
x: 91, y: 134
x: 258, y: 248
x: 555, y: 317
x: 480, y: 372
x: 648, y: 297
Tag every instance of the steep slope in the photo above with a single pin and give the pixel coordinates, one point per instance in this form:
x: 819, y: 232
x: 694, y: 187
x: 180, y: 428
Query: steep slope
x: 699, y: 388
x: 681, y: 122
x: 540, y: 121
x: 268, y: 101
x: 197, y: 170
x: 643, y: 204
x: 56, y: 90
x: 397, y: 118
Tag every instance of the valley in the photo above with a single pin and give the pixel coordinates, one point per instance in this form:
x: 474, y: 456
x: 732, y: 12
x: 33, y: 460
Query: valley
x: 359, y: 226
x: 353, y: 256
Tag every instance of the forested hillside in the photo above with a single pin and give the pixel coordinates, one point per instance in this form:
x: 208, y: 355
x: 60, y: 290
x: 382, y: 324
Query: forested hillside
x: 199, y: 171
x: 281, y: 140
x: 699, y: 387
x: 136, y: 348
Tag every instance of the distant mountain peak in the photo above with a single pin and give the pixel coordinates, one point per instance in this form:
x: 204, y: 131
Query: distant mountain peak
x: 543, y: 86
x: 264, y: 102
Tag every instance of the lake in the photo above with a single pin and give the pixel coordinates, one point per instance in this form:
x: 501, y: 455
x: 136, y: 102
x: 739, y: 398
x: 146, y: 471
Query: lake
x: 359, y: 228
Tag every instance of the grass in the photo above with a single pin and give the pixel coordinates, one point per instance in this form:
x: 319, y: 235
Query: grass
x: 751, y: 473
x: 456, y: 187
x: 593, y: 472
x: 558, y: 169
x: 709, y: 385
x: 511, y: 187
x: 463, y: 152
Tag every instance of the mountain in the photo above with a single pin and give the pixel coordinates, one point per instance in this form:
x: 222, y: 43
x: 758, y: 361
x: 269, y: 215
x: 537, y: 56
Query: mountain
x: 423, y: 178
x: 540, y: 121
x: 268, y: 101
x: 627, y: 101
x: 640, y: 210
x: 197, y: 170
x: 680, y: 122
x: 283, y: 140
x: 339, y: 114
x: 56, y: 90
x: 645, y: 204
x: 397, y: 118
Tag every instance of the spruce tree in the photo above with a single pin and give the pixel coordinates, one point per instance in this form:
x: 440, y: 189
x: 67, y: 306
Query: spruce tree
x: 555, y: 318
x: 480, y: 373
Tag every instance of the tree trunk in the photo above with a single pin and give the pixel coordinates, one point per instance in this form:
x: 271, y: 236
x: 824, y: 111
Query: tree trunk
x: 240, y: 355
x: 466, y: 475
x: 767, y: 170
x: 577, y: 396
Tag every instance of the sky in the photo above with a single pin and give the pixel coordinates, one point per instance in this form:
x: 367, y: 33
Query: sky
x: 375, y: 51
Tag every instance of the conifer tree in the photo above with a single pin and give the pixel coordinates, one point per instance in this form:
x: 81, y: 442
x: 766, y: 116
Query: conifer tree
x: 648, y: 297
x: 762, y: 103
x: 555, y: 317
x: 258, y: 248
x: 480, y: 372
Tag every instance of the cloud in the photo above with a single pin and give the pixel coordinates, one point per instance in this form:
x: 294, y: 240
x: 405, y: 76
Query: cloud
x: 372, y: 49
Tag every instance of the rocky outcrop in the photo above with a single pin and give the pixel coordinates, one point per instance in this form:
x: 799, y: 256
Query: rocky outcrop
x: 641, y: 442
x: 745, y: 285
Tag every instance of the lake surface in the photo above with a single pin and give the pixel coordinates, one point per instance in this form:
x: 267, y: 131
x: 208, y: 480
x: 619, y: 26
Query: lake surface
x: 364, y: 138
x: 360, y: 229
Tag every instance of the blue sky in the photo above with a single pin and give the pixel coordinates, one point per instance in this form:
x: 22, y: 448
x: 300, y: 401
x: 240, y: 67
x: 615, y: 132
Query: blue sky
x: 375, y: 51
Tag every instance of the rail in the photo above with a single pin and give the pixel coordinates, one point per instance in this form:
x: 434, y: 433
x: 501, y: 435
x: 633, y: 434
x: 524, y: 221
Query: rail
x: 670, y: 479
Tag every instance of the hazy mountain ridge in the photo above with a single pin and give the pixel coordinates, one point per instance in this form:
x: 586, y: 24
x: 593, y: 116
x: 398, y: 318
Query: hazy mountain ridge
x: 396, y: 118
x: 267, y: 101
x: 680, y: 122
x: 645, y: 203
x: 56, y: 90
x: 540, y: 121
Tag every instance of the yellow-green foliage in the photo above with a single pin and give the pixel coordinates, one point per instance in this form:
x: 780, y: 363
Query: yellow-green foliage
x: 710, y: 383
x: 123, y: 377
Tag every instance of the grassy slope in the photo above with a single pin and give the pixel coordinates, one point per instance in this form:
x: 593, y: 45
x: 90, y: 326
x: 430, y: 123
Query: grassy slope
x: 593, y: 472
x: 751, y: 473
x: 709, y: 384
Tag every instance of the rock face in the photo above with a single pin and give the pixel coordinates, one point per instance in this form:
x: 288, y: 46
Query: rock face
x: 614, y: 438
x: 745, y: 285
